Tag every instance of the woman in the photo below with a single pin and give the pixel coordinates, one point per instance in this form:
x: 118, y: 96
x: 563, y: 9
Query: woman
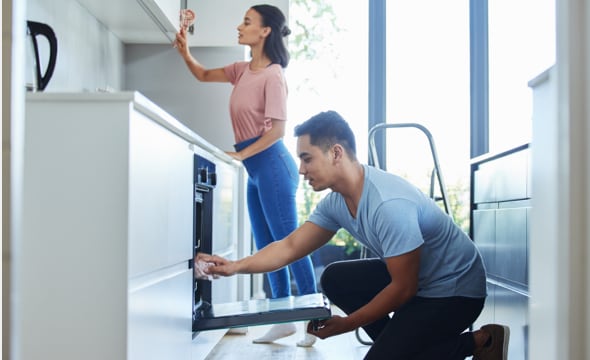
x: 258, y: 113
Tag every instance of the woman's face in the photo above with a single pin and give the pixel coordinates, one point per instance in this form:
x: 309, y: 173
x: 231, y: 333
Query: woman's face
x: 251, y: 32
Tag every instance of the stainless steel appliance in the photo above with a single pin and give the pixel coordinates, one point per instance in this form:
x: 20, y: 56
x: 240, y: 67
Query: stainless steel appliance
x: 36, y: 79
x: 209, y: 315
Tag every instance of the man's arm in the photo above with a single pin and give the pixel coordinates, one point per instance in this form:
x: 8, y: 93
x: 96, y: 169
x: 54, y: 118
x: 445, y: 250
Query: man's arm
x: 403, y: 270
x: 301, y: 242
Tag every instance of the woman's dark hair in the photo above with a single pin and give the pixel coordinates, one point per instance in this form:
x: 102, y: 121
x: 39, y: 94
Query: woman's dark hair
x: 274, y: 46
x: 327, y: 129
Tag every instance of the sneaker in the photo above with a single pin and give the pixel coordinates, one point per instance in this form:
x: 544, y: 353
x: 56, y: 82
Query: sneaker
x: 497, y: 349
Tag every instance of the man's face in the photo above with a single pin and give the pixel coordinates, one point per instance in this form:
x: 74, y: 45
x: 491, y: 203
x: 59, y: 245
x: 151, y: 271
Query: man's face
x: 315, y: 164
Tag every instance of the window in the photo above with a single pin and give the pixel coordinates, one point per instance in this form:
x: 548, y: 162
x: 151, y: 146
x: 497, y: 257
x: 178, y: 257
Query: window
x: 328, y: 68
x: 428, y: 84
x: 521, y: 46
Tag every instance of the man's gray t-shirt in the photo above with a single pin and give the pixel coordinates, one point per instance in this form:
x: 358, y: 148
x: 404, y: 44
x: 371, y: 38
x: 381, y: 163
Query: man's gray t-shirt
x: 393, y: 218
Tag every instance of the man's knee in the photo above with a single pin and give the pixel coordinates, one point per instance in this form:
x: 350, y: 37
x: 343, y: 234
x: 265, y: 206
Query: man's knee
x: 330, y: 278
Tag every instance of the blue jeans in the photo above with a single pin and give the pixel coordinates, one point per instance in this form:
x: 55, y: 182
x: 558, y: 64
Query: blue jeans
x: 421, y: 329
x: 272, y: 184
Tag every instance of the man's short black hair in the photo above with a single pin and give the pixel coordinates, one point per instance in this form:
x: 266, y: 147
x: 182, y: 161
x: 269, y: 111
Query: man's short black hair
x: 327, y: 129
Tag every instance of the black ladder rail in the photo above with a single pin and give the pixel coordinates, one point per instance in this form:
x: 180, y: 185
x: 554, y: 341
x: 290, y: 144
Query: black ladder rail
x: 436, y: 174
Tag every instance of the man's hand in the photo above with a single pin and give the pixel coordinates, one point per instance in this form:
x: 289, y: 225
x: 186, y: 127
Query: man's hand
x: 335, y: 325
x: 216, y: 265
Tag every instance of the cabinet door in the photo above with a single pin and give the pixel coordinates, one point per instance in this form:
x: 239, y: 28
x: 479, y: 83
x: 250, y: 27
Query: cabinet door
x: 484, y: 190
x: 484, y: 236
x: 138, y: 21
x: 165, y: 14
x: 160, y: 316
x: 511, y: 245
x: 217, y: 20
x: 160, y: 197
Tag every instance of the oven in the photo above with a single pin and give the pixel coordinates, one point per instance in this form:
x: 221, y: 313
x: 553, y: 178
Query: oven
x: 209, y: 314
x: 204, y: 179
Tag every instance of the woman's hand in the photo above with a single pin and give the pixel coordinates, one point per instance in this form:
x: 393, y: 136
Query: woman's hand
x: 335, y: 325
x: 180, y: 43
x: 235, y: 155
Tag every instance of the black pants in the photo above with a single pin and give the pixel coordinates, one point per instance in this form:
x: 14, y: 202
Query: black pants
x: 423, y: 328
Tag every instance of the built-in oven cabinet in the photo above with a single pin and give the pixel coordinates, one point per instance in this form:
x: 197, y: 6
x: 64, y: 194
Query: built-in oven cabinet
x: 104, y: 271
x: 107, y: 237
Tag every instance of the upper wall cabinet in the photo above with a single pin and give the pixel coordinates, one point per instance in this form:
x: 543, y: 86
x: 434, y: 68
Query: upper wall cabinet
x: 157, y: 21
x: 217, y: 20
x: 138, y: 21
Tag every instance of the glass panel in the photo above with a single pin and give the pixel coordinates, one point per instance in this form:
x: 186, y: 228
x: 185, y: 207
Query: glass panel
x: 328, y: 68
x: 521, y: 46
x: 328, y: 71
x: 428, y: 83
x: 263, y: 311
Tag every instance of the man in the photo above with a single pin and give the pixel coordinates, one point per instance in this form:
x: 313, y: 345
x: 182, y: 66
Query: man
x: 428, y: 283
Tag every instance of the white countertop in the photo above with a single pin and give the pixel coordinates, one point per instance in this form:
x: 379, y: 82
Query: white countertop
x: 140, y: 103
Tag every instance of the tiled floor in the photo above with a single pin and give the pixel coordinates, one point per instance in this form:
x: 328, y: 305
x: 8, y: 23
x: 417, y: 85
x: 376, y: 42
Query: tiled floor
x: 240, y: 347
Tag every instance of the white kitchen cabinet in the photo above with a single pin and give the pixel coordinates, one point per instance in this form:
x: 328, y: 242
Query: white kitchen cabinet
x: 138, y: 21
x: 157, y: 21
x: 160, y: 188
x: 103, y: 267
x: 217, y: 20
x: 159, y: 320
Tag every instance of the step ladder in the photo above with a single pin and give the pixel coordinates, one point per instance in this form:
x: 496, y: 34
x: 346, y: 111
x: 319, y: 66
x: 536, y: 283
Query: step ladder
x: 436, y: 175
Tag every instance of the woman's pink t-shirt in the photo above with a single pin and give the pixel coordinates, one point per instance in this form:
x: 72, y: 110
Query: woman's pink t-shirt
x: 258, y: 96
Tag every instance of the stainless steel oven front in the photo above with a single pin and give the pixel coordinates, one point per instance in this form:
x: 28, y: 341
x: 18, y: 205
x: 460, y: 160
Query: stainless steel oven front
x: 209, y: 314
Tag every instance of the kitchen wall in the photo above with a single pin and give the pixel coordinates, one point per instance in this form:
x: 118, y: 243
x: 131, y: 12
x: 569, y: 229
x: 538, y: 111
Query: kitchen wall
x: 89, y: 56
x: 159, y: 73
x: 92, y: 58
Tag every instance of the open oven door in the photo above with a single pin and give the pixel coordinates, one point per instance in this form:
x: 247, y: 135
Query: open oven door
x: 310, y: 307
x: 208, y: 315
